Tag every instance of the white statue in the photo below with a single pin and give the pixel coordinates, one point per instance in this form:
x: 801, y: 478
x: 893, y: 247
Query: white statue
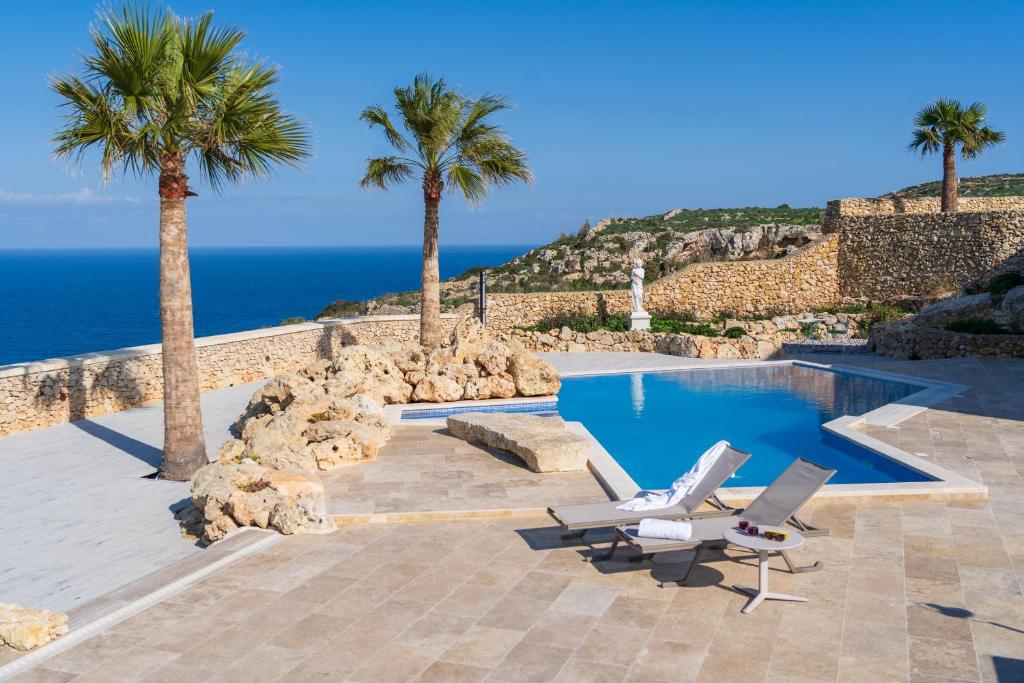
x: 636, y: 277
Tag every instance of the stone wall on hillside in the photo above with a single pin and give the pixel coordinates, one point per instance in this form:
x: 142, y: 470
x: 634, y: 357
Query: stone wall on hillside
x: 803, y: 280
x: 45, y: 393
x: 881, y: 206
x: 885, y: 257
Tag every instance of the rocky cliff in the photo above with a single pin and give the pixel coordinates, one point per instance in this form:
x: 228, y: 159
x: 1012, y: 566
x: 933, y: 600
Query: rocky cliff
x: 599, y: 256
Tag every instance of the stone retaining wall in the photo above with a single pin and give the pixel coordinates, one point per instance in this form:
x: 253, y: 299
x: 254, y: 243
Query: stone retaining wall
x: 44, y: 393
x: 804, y: 280
x: 763, y: 338
x: 838, y: 208
x: 905, y: 340
x: 885, y: 257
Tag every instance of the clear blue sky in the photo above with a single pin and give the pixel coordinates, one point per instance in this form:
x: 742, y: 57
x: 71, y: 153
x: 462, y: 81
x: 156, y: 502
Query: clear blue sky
x: 624, y: 109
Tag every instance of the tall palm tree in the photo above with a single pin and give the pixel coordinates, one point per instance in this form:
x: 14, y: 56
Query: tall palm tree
x: 159, y: 91
x: 449, y: 140
x: 945, y: 124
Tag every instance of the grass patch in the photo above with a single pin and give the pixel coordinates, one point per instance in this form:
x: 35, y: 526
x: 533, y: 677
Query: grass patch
x: 294, y: 320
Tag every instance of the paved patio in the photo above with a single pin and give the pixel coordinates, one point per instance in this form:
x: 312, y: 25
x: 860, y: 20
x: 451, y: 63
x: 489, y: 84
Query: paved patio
x: 423, y: 469
x: 922, y: 591
x: 77, y: 520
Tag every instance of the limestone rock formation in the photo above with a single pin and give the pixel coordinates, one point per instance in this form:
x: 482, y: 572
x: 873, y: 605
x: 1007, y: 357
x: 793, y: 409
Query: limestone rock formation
x: 541, y: 442
x: 1011, y: 311
x: 948, y: 310
x: 230, y: 495
x: 24, y: 629
x: 331, y: 413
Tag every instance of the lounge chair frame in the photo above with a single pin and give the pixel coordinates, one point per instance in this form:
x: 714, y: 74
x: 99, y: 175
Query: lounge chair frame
x: 623, y: 535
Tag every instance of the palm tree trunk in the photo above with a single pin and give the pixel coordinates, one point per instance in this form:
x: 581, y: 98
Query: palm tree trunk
x: 184, y: 445
x: 950, y: 191
x: 430, y: 294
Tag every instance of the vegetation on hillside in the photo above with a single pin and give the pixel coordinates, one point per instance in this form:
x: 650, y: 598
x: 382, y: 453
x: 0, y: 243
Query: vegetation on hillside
x: 1000, y: 185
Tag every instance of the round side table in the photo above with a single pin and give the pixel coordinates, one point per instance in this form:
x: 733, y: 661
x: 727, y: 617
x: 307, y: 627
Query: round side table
x: 764, y: 548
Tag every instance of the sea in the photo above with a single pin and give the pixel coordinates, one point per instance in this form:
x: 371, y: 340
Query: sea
x: 57, y: 303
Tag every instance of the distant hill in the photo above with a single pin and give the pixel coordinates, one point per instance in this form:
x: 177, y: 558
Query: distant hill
x: 1001, y: 185
x: 600, y: 256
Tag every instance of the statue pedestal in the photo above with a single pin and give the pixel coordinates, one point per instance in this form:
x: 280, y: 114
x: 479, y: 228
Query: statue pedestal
x: 640, y: 320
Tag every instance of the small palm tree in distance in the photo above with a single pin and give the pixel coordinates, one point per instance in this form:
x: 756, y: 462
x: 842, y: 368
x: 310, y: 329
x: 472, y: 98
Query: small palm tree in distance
x: 945, y: 125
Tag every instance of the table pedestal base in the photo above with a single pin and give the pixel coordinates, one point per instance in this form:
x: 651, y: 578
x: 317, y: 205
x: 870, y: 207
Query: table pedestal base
x: 761, y: 593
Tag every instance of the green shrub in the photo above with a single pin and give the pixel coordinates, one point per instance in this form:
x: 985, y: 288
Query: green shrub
x: 1004, y: 282
x: 735, y: 332
x: 619, y: 322
x: 672, y: 326
x: 977, y: 326
x: 294, y: 320
x: 340, y: 309
x: 577, y: 322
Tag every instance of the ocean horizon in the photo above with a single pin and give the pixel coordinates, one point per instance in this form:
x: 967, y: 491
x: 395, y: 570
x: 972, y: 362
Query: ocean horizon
x: 64, y: 302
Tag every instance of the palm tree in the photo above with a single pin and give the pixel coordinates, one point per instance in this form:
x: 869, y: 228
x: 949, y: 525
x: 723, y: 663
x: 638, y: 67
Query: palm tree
x: 159, y: 91
x: 945, y: 124
x: 450, y: 140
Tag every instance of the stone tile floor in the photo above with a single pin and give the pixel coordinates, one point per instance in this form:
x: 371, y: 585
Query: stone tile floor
x: 423, y: 469
x: 921, y: 591
x: 111, y: 527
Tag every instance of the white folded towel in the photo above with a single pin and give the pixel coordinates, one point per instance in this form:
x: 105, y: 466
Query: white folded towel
x: 681, y: 487
x: 665, y: 528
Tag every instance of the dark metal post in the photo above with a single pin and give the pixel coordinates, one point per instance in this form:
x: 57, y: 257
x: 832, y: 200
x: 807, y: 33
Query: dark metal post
x: 483, y: 298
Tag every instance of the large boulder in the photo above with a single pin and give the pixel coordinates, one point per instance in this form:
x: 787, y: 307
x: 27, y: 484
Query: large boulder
x: 248, y: 494
x: 532, y: 376
x: 493, y: 386
x: 542, y: 443
x: 437, y: 389
x: 941, y: 313
x: 24, y: 629
x: 1011, y: 311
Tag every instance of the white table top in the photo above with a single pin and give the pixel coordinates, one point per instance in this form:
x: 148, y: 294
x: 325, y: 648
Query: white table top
x: 740, y: 538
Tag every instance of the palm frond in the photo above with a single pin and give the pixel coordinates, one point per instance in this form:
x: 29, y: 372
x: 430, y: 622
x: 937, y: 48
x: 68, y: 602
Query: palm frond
x: 156, y: 86
x: 468, y: 181
x: 376, y: 116
x: 947, y: 123
x: 383, y: 172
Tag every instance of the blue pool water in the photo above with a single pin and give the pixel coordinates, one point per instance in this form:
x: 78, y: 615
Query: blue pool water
x: 657, y: 424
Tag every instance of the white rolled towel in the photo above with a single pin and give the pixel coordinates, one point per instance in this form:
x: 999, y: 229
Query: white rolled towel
x: 681, y: 487
x: 665, y: 528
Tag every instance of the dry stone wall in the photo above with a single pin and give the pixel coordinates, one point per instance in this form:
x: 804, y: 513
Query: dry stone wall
x: 804, y: 280
x: 836, y: 209
x: 34, y: 395
x: 886, y: 257
x: 762, y: 338
x: 906, y: 340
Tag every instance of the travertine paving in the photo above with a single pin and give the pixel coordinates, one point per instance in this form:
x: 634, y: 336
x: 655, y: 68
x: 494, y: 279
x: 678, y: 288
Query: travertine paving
x: 423, y: 469
x: 912, y: 591
x: 77, y: 520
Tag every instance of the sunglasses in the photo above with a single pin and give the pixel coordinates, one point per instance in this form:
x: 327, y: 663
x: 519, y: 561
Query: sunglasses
x: 775, y: 535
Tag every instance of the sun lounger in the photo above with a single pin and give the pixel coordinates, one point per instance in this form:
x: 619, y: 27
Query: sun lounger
x: 576, y: 519
x: 778, y: 503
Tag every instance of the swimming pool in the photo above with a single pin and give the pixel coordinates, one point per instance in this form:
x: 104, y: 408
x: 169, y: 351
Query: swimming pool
x: 656, y: 424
